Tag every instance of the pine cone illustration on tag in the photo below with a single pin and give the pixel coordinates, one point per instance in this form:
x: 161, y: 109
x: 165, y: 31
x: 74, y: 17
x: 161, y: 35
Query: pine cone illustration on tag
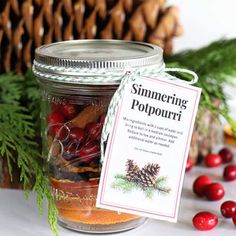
x: 146, y: 180
x: 147, y: 176
x: 132, y: 170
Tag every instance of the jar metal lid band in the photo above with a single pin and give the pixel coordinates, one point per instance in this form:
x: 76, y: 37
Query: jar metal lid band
x: 104, y: 76
x: 92, y: 76
x: 128, y: 77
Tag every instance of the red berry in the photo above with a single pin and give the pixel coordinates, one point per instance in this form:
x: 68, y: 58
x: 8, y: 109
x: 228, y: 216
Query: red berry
x: 89, y: 152
x: 234, y: 219
x: 229, y: 173
x: 226, y: 154
x: 69, y: 110
x: 228, y: 209
x: 214, y: 192
x: 102, y: 119
x: 94, y: 130
x: 56, y: 106
x: 189, y: 165
x: 59, y: 132
x: 200, y: 184
x: 205, y: 220
x: 55, y: 118
x: 77, y: 134
x: 213, y: 160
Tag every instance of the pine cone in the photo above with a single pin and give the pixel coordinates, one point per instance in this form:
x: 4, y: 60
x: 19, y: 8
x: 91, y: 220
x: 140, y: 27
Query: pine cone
x: 132, y: 170
x: 152, y: 169
x: 25, y: 25
x: 147, y: 176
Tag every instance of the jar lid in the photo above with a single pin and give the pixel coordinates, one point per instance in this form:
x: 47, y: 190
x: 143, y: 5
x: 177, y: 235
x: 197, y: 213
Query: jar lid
x: 71, y: 61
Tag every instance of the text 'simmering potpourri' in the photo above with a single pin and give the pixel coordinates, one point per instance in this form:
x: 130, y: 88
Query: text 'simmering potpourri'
x: 162, y: 97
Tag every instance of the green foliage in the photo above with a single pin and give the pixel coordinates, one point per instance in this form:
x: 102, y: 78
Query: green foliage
x: 10, y: 88
x: 17, y: 139
x: 32, y: 95
x: 215, y: 65
x: 123, y: 184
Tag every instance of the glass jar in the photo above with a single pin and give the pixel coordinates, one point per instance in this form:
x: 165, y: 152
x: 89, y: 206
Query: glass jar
x: 78, y: 79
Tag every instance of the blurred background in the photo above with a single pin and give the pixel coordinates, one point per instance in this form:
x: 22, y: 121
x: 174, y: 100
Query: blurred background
x: 205, y: 21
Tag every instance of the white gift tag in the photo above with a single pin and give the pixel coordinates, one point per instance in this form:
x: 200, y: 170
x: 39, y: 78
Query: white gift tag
x: 147, y: 149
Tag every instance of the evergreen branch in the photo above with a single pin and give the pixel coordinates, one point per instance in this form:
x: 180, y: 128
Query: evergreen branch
x: 149, y: 192
x: 162, y: 189
x: 215, y: 61
x: 161, y: 180
x: 215, y: 65
x: 32, y: 95
x: 17, y: 144
x: 10, y: 88
x: 123, y: 184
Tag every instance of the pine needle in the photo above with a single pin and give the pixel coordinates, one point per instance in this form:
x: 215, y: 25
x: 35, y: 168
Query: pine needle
x: 215, y: 65
x: 10, y: 88
x: 17, y: 141
x: 123, y: 184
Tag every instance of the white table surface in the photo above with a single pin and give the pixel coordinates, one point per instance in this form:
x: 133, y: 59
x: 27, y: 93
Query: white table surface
x: 21, y: 218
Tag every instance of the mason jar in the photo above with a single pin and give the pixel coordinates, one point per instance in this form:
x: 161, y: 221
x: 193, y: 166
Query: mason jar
x: 78, y: 79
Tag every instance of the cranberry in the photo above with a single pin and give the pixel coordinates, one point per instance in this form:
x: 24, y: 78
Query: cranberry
x: 77, y: 134
x: 56, y: 106
x: 89, y: 152
x: 94, y: 130
x: 205, y: 220
x: 55, y: 118
x: 189, y: 165
x: 213, y: 160
x: 214, y: 192
x: 228, y: 209
x: 234, y: 219
x: 200, y: 184
x: 69, y: 110
x: 229, y: 173
x: 226, y: 154
x: 102, y: 119
x: 59, y: 131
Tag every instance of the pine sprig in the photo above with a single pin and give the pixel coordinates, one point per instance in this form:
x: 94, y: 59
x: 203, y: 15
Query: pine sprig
x: 123, y: 184
x: 215, y: 65
x: 161, y: 180
x: 32, y: 95
x: 215, y: 61
x: 11, y: 88
x: 17, y: 141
